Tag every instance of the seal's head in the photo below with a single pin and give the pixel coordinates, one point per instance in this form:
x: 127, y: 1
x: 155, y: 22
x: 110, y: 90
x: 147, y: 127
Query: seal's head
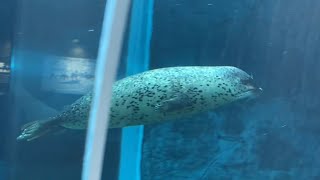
x: 241, y: 85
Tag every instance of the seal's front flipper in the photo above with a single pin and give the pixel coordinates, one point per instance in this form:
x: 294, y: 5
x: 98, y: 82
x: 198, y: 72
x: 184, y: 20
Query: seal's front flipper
x: 35, y: 129
x: 177, y: 103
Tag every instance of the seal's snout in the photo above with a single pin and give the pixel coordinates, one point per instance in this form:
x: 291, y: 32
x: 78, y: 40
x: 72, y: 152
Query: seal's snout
x: 252, y: 86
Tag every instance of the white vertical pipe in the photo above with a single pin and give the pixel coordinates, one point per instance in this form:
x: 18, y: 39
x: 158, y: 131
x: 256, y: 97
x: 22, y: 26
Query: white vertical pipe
x: 115, y: 18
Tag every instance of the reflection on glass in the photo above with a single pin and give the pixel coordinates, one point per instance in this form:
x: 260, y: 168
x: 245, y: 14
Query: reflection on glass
x: 68, y: 75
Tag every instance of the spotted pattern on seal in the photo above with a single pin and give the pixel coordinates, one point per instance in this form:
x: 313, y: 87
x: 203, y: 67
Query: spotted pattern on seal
x: 163, y: 94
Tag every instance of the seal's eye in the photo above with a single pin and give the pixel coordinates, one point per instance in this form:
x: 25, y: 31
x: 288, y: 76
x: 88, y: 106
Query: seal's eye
x: 246, y: 81
x: 249, y: 83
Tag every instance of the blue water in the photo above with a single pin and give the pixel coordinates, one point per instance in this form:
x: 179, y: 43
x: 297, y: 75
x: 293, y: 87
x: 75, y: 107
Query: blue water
x: 273, y: 137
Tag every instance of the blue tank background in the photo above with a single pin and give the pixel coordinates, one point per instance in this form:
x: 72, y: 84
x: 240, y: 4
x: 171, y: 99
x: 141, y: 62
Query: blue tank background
x: 274, y: 138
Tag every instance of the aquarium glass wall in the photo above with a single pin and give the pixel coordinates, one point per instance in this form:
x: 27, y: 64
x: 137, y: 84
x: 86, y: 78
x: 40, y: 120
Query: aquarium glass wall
x: 53, y: 53
x: 238, y: 98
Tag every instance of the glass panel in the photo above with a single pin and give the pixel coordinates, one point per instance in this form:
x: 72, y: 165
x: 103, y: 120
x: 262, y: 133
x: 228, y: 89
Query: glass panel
x: 54, y: 51
x: 274, y: 136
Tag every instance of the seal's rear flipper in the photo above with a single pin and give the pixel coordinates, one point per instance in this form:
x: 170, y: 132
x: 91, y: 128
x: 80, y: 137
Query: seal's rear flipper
x: 36, y: 129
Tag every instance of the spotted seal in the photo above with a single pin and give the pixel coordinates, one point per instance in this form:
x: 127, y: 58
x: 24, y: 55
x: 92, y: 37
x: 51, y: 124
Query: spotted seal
x: 156, y: 96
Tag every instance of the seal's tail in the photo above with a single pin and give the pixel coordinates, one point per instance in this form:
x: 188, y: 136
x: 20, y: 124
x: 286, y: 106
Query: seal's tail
x: 36, y: 129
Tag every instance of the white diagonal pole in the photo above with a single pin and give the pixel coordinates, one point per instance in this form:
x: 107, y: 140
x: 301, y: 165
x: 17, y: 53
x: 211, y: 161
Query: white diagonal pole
x: 115, y: 19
